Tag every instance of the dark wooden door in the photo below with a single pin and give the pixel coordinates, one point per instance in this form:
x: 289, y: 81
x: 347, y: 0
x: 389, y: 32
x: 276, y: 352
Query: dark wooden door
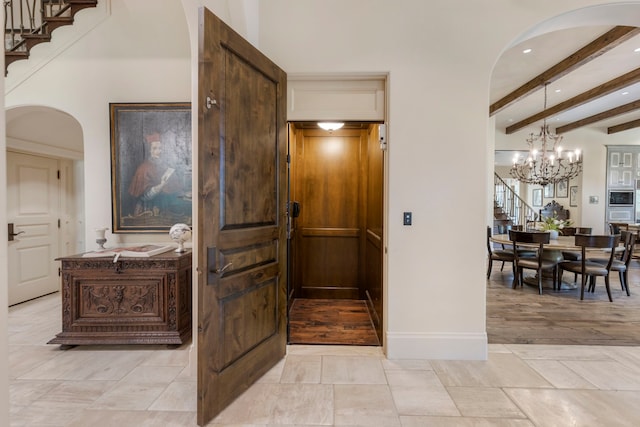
x: 241, y: 216
x: 328, y: 180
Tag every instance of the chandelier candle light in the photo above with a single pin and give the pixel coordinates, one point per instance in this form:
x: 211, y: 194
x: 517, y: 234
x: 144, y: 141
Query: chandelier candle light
x: 547, y: 164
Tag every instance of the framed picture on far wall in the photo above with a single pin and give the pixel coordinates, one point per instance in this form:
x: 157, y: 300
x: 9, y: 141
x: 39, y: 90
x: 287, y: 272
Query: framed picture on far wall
x: 537, y: 197
x: 548, y: 191
x: 150, y: 166
x: 562, y: 189
x: 573, y: 196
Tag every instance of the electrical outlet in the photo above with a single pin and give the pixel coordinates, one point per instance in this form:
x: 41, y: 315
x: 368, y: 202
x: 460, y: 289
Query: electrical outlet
x: 406, y: 218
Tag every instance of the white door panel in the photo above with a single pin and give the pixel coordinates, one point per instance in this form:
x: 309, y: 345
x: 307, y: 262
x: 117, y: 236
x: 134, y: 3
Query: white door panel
x: 33, y: 198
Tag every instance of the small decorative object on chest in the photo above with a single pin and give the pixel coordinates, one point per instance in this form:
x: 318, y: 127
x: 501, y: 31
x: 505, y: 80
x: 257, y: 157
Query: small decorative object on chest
x: 100, y: 239
x: 180, y: 233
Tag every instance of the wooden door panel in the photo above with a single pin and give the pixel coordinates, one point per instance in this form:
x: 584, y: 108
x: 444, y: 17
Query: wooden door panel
x: 241, y: 216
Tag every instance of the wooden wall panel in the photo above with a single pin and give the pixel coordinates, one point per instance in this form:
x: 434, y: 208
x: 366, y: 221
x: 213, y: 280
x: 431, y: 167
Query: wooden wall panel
x: 328, y: 183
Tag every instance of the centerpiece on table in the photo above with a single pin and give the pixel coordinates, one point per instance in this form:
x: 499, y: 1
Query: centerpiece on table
x: 554, y: 225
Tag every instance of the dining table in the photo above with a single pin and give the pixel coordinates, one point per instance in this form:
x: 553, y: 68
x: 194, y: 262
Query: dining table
x: 551, y: 251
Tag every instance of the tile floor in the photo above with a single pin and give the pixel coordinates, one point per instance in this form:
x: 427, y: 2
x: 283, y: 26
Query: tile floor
x: 520, y: 385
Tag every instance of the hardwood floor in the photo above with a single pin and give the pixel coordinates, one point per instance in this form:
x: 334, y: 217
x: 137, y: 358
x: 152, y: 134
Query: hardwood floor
x: 522, y: 316
x: 514, y: 316
x: 331, y: 321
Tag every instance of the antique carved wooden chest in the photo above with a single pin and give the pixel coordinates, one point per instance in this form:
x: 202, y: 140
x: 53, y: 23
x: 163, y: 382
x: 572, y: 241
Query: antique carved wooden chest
x: 129, y: 301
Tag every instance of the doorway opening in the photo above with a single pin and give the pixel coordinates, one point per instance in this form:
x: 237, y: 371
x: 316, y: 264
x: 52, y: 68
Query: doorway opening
x: 335, y: 238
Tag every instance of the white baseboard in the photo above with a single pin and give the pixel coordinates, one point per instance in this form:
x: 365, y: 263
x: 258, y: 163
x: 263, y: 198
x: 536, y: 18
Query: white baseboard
x: 437, y: 346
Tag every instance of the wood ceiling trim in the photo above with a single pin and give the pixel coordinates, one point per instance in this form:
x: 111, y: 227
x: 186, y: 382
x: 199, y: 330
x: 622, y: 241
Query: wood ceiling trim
x: 597, y: 47
x: 625, y: 80
x: 624, y: 126
x: 600, y: 116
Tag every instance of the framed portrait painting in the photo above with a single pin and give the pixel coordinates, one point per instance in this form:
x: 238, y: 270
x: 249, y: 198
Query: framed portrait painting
x: 562, y: 189
x: 150, y: 166
x: 537, y: 197
x: 548, y: 190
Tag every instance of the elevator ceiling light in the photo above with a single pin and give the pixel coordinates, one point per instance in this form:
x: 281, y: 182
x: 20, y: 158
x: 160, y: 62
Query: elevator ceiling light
x: 330, y: 126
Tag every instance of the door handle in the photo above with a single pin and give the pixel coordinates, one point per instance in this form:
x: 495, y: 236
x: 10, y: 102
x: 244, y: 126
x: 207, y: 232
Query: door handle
x: 221, y: 270
x: 10, y: 232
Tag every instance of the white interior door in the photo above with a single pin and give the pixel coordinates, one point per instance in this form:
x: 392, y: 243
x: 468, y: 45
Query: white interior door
x: 33, y: 207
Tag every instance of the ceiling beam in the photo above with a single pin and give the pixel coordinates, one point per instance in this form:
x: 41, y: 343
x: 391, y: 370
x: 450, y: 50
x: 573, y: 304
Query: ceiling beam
x: 602, y: 44
x: 624, y: 126
x: 632, y: 106
x: 611, y: 86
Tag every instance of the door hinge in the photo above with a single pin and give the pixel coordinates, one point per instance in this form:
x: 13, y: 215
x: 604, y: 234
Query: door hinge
x: 288, y: 158
x: 59, y: 272
x: 58, y: 174
x: 58, y: 222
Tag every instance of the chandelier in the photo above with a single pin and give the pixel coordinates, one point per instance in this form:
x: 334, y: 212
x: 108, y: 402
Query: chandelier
x: 547, y: 164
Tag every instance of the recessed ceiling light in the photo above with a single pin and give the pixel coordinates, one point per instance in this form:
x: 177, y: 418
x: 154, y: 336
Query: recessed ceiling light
x: 636, y: 49
x: 558, y: 90
x: 330, y: 126
x: 527, y: 51
x: 625, y: 93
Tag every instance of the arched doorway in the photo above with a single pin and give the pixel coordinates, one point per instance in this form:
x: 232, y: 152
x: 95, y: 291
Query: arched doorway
x: 45, y: 197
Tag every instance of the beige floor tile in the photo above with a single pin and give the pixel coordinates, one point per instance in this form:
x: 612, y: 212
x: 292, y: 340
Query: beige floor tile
x: 420, y: 393
x: 281, y: 404
x: 407, y: 364
x: 272, y: 376
x: 547, y: 407
x: 558, y: 352
x: 104, y: 418
x: 129, y: 396
x: 420, y: 421
x: 607, y: 375
x: 559, y: 375
x: 177, y: 397
x: 24, y: 358
x: 75, y: 393
x: 302, y: 369
x: 335, y: 350
x: 484, y: 402
x: 152, y: 374
x: 367, y: 405
x: 352, y: 370
x: 25, y: 392
x: 500, y: 370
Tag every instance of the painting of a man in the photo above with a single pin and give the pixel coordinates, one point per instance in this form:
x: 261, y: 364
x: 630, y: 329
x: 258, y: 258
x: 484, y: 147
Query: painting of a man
x: 154, y: 184
x: 151, y: 166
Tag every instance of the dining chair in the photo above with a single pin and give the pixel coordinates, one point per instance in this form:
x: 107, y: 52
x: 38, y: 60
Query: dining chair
x: 628, y: 239
x: 574, y: 255
x: 588, y: 269
x: 504, y: 255
x: 572, y: 231
x: 531, y: 239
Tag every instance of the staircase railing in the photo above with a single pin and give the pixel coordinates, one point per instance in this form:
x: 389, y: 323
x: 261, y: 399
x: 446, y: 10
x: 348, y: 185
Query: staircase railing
x: 516, y: 209
x: 29, y: 22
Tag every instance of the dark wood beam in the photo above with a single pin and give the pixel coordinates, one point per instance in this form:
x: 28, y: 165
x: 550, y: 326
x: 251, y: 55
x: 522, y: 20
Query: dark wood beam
x: 623, y: 81
x: 602, y: 44
x: 624, y: 126
x: 632, y: 106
